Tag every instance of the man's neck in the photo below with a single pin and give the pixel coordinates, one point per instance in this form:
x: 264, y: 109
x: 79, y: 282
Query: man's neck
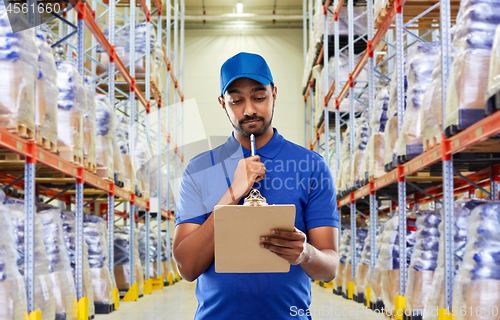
x: 259, y: 141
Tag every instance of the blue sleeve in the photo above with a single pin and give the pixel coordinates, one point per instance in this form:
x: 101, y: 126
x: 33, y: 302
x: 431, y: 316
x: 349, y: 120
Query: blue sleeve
x: 321, y: 209
x: 190, y: 208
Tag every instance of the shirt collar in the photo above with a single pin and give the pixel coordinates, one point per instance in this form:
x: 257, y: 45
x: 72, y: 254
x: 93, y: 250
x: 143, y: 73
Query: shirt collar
x: 269, y: 150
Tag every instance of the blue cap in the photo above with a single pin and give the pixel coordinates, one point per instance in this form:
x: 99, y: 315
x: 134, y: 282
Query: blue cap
x: 244, y: 65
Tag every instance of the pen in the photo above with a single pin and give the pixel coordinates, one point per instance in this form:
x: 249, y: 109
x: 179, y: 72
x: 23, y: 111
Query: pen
x: 252, y: 144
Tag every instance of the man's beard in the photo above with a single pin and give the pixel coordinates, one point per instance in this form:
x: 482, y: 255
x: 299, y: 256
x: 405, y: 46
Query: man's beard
x: 246, y: 119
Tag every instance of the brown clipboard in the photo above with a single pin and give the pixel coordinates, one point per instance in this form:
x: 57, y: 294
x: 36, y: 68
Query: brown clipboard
x: 237, y: 232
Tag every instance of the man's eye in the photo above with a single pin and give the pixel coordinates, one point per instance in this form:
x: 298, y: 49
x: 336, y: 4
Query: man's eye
x: 235, y: 101
x: 261, y: 99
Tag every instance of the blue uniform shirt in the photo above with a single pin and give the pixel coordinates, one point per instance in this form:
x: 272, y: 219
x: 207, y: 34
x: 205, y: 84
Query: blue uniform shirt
x: 294, y: 175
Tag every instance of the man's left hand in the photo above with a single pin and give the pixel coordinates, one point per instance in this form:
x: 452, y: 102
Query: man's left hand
x: 289, y: 245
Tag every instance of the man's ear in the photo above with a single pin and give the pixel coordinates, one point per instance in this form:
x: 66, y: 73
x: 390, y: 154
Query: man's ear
x: 275, y: 93
x: 222, y: 102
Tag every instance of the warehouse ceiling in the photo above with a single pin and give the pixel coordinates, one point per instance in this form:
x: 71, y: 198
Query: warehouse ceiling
x: 222, y: 14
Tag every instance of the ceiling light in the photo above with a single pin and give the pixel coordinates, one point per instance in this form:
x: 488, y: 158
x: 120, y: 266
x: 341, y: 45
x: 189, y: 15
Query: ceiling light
x: 239, y: 7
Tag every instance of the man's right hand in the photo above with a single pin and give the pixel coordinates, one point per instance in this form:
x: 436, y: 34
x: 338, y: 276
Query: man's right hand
x: 249, y: 171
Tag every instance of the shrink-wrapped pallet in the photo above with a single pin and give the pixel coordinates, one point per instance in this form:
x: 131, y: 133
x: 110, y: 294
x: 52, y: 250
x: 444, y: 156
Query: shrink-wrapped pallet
x: 69, y: 230
x: 375, y: 283
x: 19, y: 70
x: 105, y: 128
x: 435, y: 298
x: 12, y: 290
x: 159, y: 64
x: 122, y: 261
x: 419, y: 65
x: 359, y: 83
x: 89, y: 127
x: 477, y: 285
x: 494, y: 74
x: 71, y: 106
x: 345, y: 247
x: 319, y: 22
x: 379, y: 6
x: 360, y: 243
x: 60, y: 273
x: 431, y: 113
x: 363, y: 267
x: 153, y: 261
x: 391, y: 127
x: 96, y: 237
x: 389, y: 260
x: 122, y: 140
x: 423, y: 261
x: 122, y: 49
x: 344, y: 168
x: 358, y: 175
x: 468, y: 80
x: 43, y: 291
x: 46, y: 95
x: 376, y: 143
x: 141, y: 159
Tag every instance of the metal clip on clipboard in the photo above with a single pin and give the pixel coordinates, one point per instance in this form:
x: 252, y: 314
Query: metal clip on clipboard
x: 255, y: 199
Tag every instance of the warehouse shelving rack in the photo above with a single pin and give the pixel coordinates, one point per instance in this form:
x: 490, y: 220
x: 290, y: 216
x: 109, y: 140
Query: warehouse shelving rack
x: 45, y: 173
x: 445, y: 161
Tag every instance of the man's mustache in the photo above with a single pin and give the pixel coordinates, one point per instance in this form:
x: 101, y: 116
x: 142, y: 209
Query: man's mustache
x: 251, y: 119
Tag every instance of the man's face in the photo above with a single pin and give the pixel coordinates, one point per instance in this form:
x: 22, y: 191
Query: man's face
x: 249, y: 106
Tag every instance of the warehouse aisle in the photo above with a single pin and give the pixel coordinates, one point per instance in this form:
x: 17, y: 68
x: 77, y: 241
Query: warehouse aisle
x: 179, y: 302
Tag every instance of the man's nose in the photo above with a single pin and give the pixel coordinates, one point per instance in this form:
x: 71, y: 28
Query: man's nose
x: 250, y: 109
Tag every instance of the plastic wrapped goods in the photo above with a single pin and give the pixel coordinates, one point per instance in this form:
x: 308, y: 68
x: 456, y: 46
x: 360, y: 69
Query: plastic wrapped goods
x: 435, y: 299
x: 69, y: 230
x: 44, y: 294
x: 344, y: 172
x: 494, y: 74
x: 122, y: 49
x: 363, y: 267
x: 142, y: 158
x: 96, y: 237
x: 358, y: 173
x: 89, y: 125
x: 63, y: 286
x: 319, y: 22
x: 122, y: 141
x: 360, y: 243
x: 389, y: 260
x: 379, y: 6
x: 105, y: 128
x: 468, y: 80
x: 71, y: 106
x: 423, y: 261
x: 477, y: 286
x: 159, y: 64
x: 12, y: 290
x: 19, y: 69
x: 122, y: 261
x: 46, y: 93
x: 391, y: 127
x: 419, y: 65
x: 142, y: 234
x: 345, y: 246
x: 359, y: 83
x: 376, y: 281
x: 376, y: 143
x: 432, y: 112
